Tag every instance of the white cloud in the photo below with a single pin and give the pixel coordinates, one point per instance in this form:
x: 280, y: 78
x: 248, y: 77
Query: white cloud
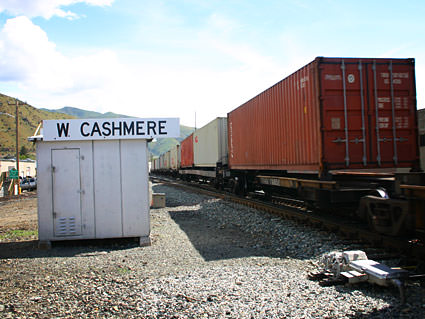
x: 143, y: 84
x: 25, y: 50
x: 46, y: 8
x: 28, y: 58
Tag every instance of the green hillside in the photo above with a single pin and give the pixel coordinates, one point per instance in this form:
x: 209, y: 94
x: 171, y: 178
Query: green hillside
x: 84, y: 114
x: 160, y: 146
x: 29, y: 118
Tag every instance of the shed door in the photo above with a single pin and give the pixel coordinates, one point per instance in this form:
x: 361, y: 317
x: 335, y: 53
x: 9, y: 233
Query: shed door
x: 66, y: 192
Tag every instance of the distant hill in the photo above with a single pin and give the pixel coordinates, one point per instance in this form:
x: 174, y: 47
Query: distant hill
x: 84, y: 114
x: 156, y: 148
x: 29, y: 118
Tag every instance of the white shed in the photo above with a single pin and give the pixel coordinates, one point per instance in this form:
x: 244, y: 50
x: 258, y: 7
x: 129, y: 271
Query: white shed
x: 92, y: 185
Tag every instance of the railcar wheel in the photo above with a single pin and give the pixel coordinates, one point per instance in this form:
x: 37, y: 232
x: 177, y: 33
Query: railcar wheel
x: 384, y: 215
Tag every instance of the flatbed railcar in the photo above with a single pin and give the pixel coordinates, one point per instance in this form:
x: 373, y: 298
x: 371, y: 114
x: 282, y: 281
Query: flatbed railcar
x: 339, y: 133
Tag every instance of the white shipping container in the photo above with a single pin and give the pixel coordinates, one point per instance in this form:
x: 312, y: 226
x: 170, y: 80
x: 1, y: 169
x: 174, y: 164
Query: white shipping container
x: 164, y: 162
x: 161, y: 161
x: 175, y: 158
x: 156, y: 164
x: 210, y: 144
x: 93, y: 189
x: 167, y: 161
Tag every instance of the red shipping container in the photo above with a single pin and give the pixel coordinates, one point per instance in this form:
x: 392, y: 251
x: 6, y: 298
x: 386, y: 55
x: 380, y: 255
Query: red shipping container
x: 332, y: 114
x: 186, y: 147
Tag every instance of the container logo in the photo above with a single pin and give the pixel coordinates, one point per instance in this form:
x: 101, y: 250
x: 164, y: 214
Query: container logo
x: 397, y: 77
x: 336, y: 123
x: 384, y: 122
x: 351, y: 78
x: 303, y: 82
x: 382, y: 101
x: 333, y: 77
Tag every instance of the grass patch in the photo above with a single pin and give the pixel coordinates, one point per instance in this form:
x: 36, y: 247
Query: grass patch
x: 123, y: 270
x: 18, y: 233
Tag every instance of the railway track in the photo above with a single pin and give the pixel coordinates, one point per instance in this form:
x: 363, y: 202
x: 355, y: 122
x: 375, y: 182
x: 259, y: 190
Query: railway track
x: 288, y: 208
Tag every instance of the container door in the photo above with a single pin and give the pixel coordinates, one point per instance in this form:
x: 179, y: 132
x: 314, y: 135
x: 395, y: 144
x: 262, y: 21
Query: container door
x: 66, y: 192
x: 368, y: 113
x: 344, y: 115
x: 393, y: 137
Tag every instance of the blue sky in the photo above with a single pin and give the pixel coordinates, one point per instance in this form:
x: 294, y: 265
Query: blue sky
x: 173, y: 58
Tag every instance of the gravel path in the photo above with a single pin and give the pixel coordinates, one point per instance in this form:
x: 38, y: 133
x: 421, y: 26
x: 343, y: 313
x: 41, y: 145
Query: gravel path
x: 209, y: 259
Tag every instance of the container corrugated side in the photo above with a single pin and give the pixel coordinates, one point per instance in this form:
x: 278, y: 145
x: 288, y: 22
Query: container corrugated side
x: 186, y: 150
x: 210, y: 144
x: 155, y: 164
x: 175, y: 157
x: 160, y: 159
x: 164, y: 161
x: 279, y: 129
x: 167, y: 160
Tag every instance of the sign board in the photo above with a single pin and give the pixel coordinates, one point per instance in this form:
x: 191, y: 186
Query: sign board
x: 13, y: 174
x: 110, y: 129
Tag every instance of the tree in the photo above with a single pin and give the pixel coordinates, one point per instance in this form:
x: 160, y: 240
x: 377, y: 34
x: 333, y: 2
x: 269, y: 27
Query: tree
x: 23, y: 151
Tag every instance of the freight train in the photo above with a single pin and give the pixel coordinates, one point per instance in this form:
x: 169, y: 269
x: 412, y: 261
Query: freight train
x: 340, y: 133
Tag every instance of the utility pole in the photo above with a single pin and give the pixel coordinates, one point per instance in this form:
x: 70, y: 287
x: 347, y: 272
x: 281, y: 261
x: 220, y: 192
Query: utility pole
x: 17, y: 138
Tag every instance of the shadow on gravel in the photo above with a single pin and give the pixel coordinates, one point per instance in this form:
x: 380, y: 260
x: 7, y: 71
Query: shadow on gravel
x: 171, y: 202
x: 215, y: 239
x: 72, y: 248
x: 410, y: 309
x: 391, y: 312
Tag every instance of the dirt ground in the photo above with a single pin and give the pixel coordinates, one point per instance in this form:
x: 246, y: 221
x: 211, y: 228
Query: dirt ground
x: 18, y: 219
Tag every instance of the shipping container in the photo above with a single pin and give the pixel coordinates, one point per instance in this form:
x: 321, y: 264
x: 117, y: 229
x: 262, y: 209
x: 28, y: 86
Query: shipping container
x: 210, y: 144
x: 332, y: 114
x: 186, y: 148
x: 161, y: 161
x: 421, y: 131
x: 155, y: 164
x: 175, y: 158
x: 165, y: 161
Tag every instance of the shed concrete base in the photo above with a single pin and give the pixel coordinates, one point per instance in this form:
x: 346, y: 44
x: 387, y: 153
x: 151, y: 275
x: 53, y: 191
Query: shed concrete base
x: 145, y: 241
x: 158, y: 200
x: 47, y: 244
x: 44, y: 244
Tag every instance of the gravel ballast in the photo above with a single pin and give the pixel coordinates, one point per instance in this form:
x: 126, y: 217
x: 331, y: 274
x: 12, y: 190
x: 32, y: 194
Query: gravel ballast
x: 209, y: 259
